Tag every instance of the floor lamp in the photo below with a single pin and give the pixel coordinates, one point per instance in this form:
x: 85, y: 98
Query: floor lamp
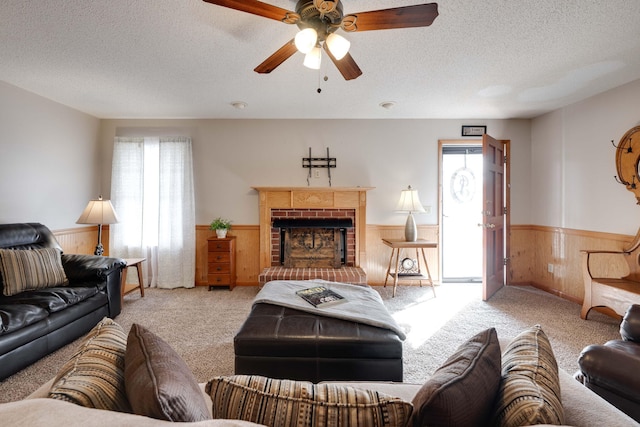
x: 98, y: 212
x: 410, y: 202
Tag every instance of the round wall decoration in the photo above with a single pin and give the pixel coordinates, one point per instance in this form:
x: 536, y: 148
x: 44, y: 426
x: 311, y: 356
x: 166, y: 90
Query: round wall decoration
x: 627, y: 158
x: 463, y: 185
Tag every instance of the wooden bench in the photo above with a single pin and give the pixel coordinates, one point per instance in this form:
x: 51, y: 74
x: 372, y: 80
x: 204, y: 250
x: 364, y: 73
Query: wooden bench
x: 613, y: 293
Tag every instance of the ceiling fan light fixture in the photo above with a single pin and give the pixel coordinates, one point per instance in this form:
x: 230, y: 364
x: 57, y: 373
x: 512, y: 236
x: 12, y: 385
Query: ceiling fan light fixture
x: 306, y: 40
x: 313, y: 59
x: 338, y: 45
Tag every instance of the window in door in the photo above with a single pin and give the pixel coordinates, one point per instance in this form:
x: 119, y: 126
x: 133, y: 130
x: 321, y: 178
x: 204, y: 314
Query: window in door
x: 461, y: 213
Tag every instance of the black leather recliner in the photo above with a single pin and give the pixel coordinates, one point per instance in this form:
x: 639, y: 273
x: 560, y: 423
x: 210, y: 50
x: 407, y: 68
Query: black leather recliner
x: 36, y: 323
x: 612, y: 370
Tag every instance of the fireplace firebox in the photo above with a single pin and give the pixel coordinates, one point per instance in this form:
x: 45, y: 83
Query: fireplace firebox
x: 313, y: 243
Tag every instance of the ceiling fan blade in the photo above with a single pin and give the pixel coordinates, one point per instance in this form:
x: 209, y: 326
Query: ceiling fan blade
x: 279, y: 56
x: 421, y: 15
x: 259, y: 8
x: 347, y: 66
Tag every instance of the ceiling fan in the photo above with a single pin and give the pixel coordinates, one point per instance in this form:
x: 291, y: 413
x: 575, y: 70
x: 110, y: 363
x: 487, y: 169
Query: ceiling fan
x: 318, y: 21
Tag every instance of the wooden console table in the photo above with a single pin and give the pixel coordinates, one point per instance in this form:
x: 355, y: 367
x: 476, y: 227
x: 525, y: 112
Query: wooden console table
x: 396, y: 247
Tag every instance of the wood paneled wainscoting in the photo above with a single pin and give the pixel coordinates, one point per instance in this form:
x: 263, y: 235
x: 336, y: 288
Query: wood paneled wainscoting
x: 535, y: 250
x: 82, y: 240
x: 248, y: 252
x: 378, y: 253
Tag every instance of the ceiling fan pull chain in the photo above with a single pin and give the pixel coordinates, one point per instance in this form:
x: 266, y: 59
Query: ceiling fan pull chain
x: 325, y: 78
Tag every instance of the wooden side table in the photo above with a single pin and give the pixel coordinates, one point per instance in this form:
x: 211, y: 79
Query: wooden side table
x: 396, y: 246
x: 221, y: 262
x: 132, y: 262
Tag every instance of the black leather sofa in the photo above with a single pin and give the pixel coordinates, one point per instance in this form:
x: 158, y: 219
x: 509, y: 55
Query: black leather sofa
x: 35, y: 323
x: 612, y: 370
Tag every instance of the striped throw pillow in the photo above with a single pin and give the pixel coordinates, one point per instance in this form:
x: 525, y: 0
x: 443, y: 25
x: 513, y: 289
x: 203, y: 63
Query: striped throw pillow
x: 30, y: 269
x: 94, y: 376
x: 530, y: 389
x: 299, y: 403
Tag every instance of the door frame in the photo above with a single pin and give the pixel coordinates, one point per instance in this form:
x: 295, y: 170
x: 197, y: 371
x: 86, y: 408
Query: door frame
x: 507, y: 187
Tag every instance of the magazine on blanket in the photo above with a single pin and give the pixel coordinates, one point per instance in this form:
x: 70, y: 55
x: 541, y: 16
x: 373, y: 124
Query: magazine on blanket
x: 319, y: 296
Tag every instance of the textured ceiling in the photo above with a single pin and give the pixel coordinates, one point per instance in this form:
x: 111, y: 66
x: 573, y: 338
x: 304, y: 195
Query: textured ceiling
x: 190, y: 59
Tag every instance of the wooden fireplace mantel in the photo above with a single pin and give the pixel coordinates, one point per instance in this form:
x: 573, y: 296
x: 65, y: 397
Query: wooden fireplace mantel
x: 312, y: 198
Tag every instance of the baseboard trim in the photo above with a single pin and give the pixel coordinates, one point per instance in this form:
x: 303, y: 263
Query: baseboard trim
x: 556, y: 293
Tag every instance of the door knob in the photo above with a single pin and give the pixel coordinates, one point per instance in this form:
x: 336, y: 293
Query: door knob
x: 487, y: 225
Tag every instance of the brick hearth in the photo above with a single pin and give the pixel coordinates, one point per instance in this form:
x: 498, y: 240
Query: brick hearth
x: 354, y: 275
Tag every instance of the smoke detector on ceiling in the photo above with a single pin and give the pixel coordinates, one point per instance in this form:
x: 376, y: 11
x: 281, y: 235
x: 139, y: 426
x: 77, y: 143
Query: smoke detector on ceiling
x: 239, y: 105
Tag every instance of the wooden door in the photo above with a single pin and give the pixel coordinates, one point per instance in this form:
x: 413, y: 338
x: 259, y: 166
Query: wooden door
x: 496, y: 214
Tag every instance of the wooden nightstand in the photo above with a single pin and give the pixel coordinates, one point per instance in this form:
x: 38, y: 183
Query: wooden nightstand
x: 221, y: 262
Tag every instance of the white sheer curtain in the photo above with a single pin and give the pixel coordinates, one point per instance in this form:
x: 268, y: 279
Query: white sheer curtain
x: 152, y: 193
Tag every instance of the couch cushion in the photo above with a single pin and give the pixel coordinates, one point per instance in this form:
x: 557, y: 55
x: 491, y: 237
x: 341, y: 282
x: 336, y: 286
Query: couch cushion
x: 530, y: 389
x: 24, y: 270
x: 94, y: 376
x: 158, y: 382
x: 284, y: 403
x: 17, y: 316
x: 462, y: 391
x: 52, y: 299
x: 55, y: 413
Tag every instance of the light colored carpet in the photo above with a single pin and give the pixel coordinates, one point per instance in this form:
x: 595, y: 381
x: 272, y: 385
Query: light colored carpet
x: 200, y: 325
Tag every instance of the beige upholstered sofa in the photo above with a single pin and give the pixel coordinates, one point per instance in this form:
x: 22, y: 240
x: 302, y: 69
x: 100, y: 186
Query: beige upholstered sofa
x: 582, y: 408
x: 456, y: 388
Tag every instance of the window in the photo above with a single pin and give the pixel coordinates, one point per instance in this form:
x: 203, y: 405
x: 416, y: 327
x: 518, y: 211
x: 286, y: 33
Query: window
x: 152, y: 192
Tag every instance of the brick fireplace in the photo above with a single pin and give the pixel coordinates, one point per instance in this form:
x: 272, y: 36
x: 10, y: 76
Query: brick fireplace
x: 323, y: 209
x: 331, y: 227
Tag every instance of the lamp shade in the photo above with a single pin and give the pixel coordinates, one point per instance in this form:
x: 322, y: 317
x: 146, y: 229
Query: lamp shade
x: 306, y: 40
x: 338, y: 45
x: 98, y: 212
x: 410, y: 201
x: 313, y: 58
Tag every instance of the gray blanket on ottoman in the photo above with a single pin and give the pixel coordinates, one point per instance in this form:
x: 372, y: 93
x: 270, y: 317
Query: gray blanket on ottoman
x: 362, y: 305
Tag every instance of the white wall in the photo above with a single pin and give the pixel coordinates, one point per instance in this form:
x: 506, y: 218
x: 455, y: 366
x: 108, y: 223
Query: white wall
x: 49, y: 159
x: 53, y: 159
x: 573, y: 164
x: 232, y: 156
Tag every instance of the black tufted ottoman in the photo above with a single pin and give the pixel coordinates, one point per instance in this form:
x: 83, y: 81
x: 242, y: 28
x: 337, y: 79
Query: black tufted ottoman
x: 281, y: 342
